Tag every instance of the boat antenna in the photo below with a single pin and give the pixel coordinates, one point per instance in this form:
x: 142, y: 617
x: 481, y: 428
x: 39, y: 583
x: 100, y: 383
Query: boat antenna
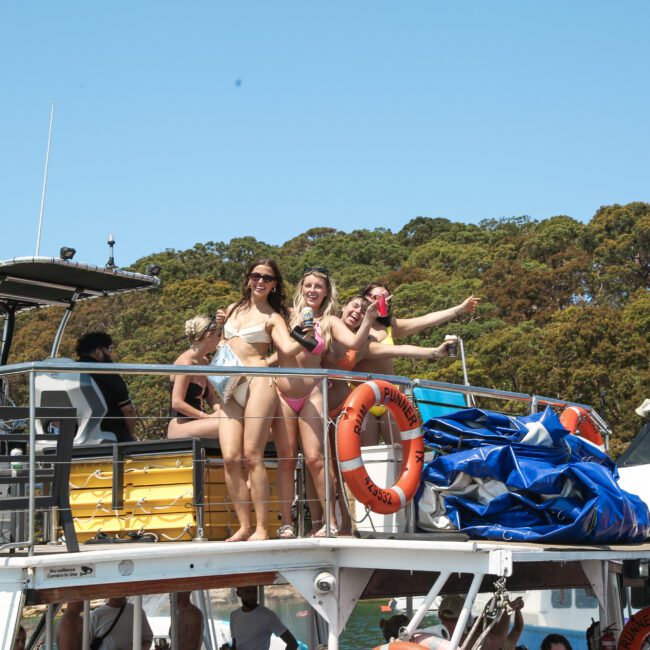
x: 111, y: 259
x: 47, y: 162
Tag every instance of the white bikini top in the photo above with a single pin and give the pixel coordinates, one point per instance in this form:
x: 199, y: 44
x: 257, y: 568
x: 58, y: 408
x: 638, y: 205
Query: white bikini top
x: 252, y: 334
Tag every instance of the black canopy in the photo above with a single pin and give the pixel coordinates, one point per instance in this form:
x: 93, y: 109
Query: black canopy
x: 27, y: 282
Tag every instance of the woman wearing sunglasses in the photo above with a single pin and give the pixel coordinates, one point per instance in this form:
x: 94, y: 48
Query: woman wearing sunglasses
x: 190, y: 393
x: 301, y: 402
x: 250, y: 327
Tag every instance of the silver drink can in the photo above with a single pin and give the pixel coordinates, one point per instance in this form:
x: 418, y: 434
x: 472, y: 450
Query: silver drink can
x: 452, y: 348
x: 308, y: 317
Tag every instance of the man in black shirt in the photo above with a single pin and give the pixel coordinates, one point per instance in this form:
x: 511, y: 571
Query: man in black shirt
x: 97, y: 347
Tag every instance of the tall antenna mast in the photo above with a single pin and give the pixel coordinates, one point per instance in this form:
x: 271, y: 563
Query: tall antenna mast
x: 47, y: 162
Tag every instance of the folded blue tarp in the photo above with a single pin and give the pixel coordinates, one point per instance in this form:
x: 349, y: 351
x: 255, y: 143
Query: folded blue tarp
x: 524, y: 479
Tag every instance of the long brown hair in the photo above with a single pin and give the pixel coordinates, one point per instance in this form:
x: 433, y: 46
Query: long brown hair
x: 277, y: 297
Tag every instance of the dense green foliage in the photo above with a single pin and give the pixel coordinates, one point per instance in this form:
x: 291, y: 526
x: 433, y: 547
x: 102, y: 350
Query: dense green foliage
x: 565, y: 311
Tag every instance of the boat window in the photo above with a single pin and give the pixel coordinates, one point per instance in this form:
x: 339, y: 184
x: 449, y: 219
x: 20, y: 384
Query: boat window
x: 638, y: 453
x: 585, y: 599
x: 561, y: 598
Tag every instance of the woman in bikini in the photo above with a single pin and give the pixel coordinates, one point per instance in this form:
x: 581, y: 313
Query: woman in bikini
x: 299, y: 415
x: 190, y: 393
x: 251, y: 325
x: 342, y: 358
x: 388, y: 328
x: 348, y: 359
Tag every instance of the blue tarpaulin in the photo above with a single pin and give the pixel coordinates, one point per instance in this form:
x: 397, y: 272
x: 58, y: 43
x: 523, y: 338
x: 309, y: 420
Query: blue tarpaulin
x: 524, y: 479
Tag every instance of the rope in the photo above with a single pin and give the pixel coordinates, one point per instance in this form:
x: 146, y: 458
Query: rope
x: 96, y: 474
x: 492, y: 611
x: 185, y: 531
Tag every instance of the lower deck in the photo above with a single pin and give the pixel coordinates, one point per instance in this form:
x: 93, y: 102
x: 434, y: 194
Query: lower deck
x: 331, y: 574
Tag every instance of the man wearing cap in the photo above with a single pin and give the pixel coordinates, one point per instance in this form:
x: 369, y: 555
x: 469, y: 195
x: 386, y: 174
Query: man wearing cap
x: 120, y: 418
x: 499, y: 637
x: 449, y: 613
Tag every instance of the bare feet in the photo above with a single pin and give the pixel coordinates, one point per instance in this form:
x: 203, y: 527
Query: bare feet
x: 241, y: 535
x: 259, y: 535
x: 316, y: 525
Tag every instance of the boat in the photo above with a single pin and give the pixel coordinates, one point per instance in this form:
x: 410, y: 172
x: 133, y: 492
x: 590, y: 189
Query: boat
x: 171, y: 539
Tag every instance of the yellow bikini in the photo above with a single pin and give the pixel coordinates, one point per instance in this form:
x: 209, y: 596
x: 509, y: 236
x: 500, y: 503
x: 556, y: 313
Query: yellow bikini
x: 380, y: 409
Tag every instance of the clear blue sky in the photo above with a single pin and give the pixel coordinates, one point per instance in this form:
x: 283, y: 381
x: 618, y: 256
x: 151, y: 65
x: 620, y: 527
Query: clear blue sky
x: 179, y: 122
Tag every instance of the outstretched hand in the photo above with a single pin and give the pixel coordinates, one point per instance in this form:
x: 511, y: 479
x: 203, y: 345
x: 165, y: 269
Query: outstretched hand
x: 516, y: 604
x: 469, y: 304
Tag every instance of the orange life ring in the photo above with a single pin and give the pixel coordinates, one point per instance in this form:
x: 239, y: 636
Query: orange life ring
x: 577, y: 421
x: 399, y: 645
x: 636, y: 631
x: 389, y: 500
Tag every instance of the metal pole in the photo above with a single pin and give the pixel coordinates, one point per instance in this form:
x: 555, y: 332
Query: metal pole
x: 469, y: 398
x: 424, y: 607
x: 300, y: 479
x: 47, y: 162
x: 467, y: 610
x: 173, y: 616
x: 49, y: 627
x: 137, y: 622
x: 64, y: 321
x: 326, y: 454
x: 32, y: 462
x: 85, y: 638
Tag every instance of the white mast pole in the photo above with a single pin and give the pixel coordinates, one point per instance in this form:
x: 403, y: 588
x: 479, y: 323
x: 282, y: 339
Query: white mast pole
x: 47, y: 162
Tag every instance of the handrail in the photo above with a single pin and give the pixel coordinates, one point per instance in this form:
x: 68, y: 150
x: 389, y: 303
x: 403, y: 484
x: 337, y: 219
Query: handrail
x: 322, y: 374
x: 495, y: 393
x: 171, y: 369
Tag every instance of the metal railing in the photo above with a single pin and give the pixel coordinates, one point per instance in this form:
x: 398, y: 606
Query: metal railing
x: 32, y: 369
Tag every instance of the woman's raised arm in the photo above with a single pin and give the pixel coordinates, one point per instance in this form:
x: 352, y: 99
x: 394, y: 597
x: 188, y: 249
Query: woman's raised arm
x: 408, y: 326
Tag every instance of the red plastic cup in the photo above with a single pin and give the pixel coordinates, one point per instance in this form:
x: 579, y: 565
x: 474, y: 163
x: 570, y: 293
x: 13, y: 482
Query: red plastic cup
x: 382, y: 308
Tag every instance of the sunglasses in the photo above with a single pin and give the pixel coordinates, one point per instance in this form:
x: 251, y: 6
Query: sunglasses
x: 316, y: 269
x: 256, y: 277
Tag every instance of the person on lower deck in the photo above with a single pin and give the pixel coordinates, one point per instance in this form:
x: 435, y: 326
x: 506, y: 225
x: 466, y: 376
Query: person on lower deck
x: 189, y: 622
x: 190, y: 393
x: 555, y: 642
x: 69, y: 632
x: 252, y: 625
x: 113, y: 623
x: 98, y: 347
x: 21, y: 639
x: 439, y: 636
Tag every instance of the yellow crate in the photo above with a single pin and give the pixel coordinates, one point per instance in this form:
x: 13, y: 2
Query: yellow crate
x: 158, y: 497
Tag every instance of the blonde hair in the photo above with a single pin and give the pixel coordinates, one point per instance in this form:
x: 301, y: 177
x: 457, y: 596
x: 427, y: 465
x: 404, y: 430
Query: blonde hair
x: 196, y: 327
x: 329, y: 306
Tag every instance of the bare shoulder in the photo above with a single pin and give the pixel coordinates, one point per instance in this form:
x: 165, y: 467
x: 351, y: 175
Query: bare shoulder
x: 276, y: 319
x: 185, y: 359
